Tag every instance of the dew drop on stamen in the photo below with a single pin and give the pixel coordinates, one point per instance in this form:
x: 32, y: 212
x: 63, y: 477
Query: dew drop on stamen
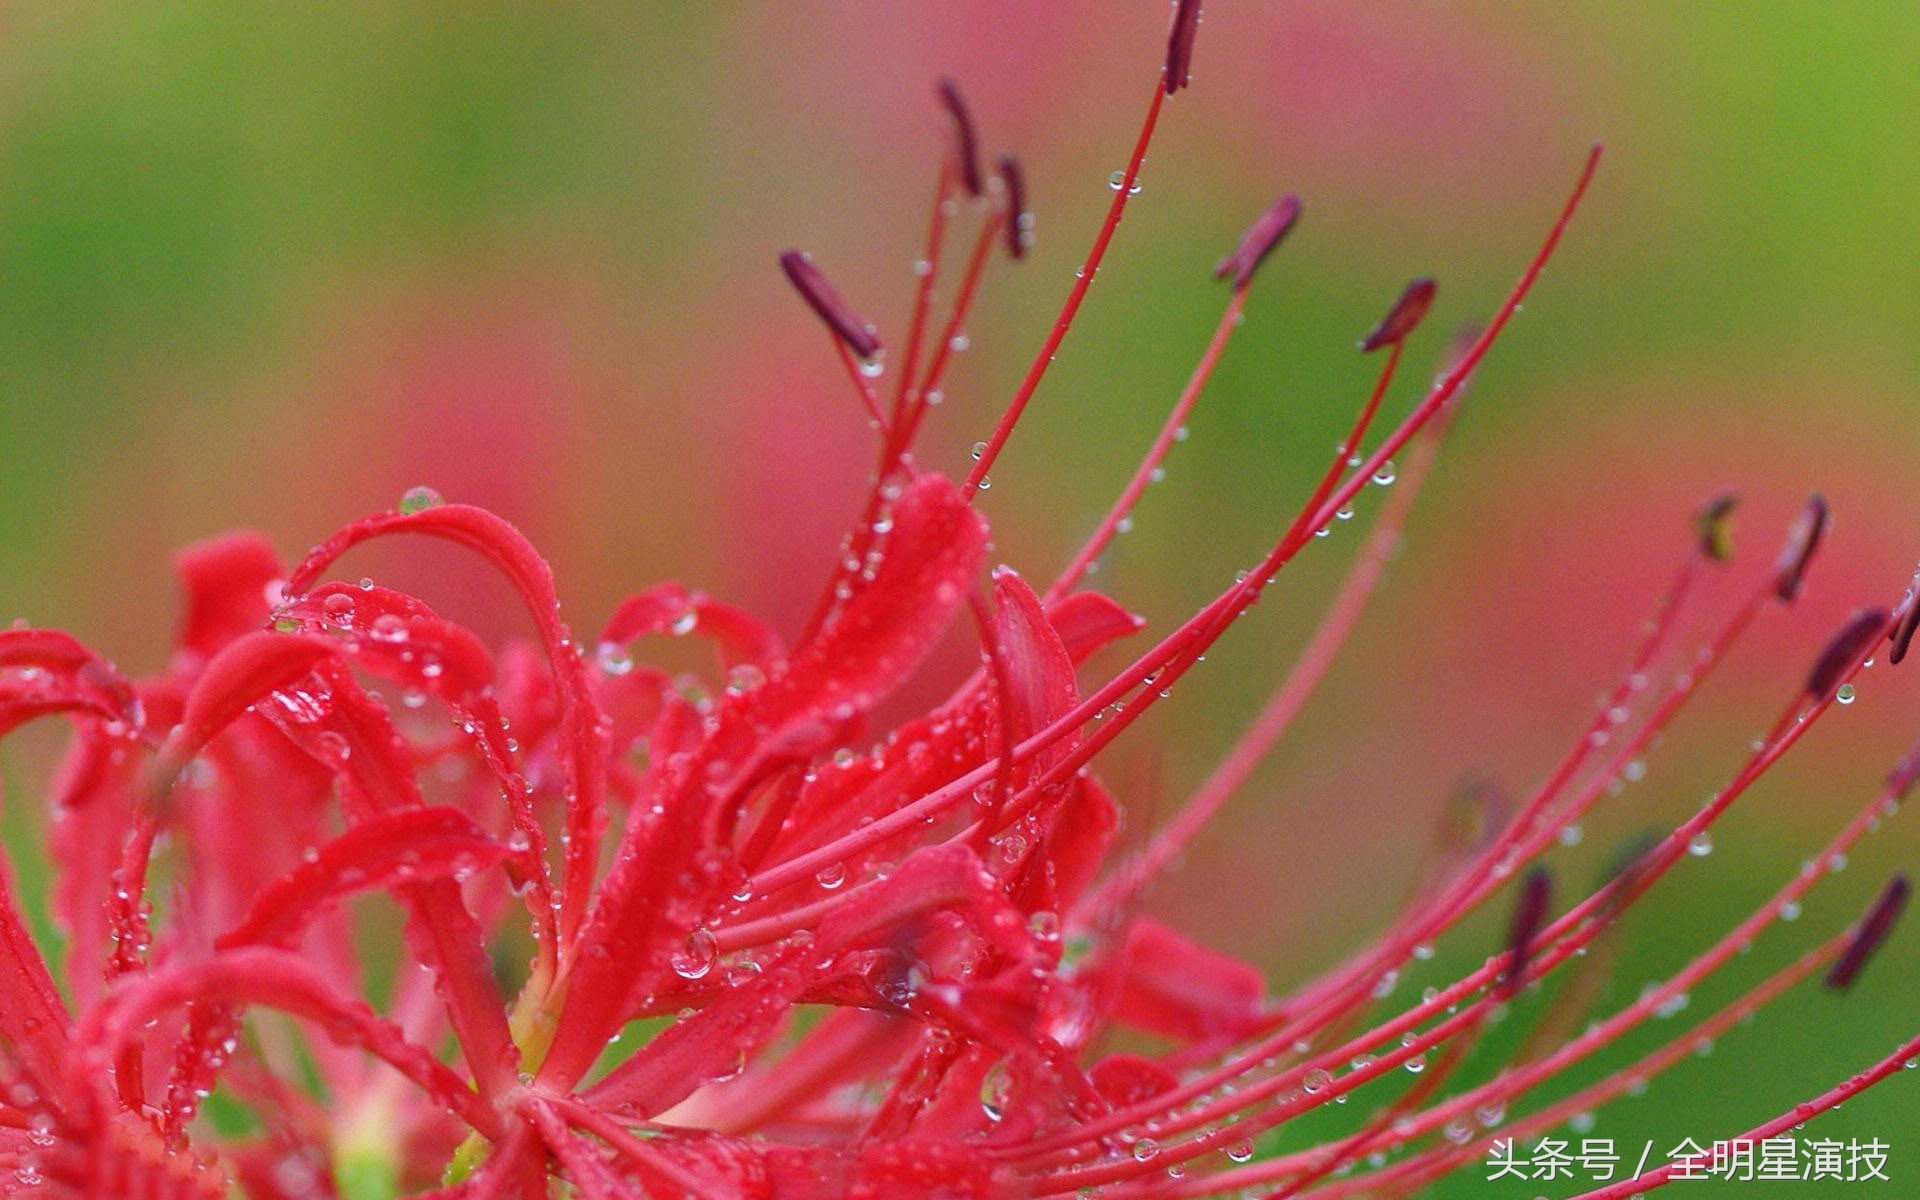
x: 979, y: 451
x: 1701, y: 844
x: 1145, y: 1150
x: 1118, y: 180
x: 831, y: 876
x: 1387, y: 473
x: 1846, y: 694
x: 1240, y: 1151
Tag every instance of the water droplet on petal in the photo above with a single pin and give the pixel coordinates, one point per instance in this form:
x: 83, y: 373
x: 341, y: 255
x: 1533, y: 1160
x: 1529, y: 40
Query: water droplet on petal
x: 419, y: 499
x: 696, y: 958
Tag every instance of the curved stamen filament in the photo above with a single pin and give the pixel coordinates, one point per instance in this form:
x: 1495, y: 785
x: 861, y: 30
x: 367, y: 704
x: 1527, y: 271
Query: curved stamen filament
x: 1110, y: 525
x: 1035, y: 373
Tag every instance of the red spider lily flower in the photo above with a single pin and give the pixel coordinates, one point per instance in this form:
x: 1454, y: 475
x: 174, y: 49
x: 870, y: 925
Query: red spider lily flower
x: 725, y: 937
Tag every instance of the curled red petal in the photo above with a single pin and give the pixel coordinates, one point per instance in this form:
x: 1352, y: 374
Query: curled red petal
x: 1126, y: 1079
x: 509, y: 552
x: 1088, y: 622
x: 55, y: 672
x: 245, y: 672
x: 1038, y: 665
x: 395, y: 636
x: 740, y: 636
x: 404, y: 846
x: 226, y: 580
x: 256, y: 975
x: 94, y: 797
x: 1171, y: 985
x: 879, y: 637
x: 34, y: 1025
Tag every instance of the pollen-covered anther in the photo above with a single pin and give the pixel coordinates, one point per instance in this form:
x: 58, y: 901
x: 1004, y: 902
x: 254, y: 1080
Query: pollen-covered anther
x: 1019, y: 218
x: 828, y: 304
x: 1802, y: 541
x: 1713, y: 525
x: 1871, y: 933
x: 1403, y: 318
x: 1186, y: 27
x: 966, y: 139
x: 1260, y: 239
x: 1860, y: 632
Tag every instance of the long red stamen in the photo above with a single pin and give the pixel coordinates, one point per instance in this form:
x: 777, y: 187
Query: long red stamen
x: 1793, y: 1118
x: 1119, y: 516
x: 1571, y: 931
x: 1129, y: 182
x: 1291, y: 696
x: 1204, y: 627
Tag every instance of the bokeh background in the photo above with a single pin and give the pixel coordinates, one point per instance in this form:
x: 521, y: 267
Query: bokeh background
x: 271, y: 267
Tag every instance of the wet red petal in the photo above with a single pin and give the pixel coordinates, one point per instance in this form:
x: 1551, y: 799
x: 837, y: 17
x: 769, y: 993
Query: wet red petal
x: 513, y: 556
x: 740, y: 636
x: 406, y: 846
x: 277, y: 979
x: 1169, y: 985
x: 33, y: 1020
x: 226, y: 581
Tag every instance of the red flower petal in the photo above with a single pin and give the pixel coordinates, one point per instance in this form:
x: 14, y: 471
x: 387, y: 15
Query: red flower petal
x: 226, y: 580
x: 1176, y: 987
x: 509, y: 552
x: 669, y: 608
x: 245, y: 672
x: 257, y: 975
x: 405, y: 846
x: 33, y: 1021
x: 866, y: 648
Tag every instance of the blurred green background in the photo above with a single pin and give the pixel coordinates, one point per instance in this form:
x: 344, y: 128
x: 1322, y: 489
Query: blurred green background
x: 270, y: 267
